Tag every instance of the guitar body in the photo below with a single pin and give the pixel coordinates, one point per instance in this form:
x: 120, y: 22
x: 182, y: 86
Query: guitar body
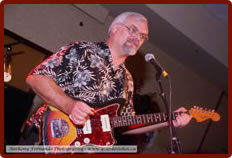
x: 58, y: 129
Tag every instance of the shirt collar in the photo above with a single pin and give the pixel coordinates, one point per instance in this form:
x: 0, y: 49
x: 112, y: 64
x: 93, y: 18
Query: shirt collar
x: 104, y: 47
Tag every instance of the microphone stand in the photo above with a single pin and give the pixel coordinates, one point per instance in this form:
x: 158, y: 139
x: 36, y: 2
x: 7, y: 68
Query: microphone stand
x: 9, y: 48
x: 174, y: 142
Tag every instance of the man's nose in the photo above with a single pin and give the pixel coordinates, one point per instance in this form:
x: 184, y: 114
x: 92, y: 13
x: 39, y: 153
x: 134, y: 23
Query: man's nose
x: 137, y: 36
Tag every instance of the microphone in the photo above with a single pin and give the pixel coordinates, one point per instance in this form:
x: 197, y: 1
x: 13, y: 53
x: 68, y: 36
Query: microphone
x: 151, y: 59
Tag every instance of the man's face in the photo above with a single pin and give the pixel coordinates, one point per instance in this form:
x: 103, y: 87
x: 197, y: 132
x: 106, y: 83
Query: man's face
x: 132, y: 36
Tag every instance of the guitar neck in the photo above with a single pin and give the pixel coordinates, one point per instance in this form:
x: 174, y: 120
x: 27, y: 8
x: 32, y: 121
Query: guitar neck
x: 155, y: 118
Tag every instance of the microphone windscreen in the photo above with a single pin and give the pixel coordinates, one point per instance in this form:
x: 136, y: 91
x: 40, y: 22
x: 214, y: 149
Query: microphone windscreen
x: 148, y: 57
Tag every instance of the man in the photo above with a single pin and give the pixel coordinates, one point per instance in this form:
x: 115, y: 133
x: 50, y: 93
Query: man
x: 83, y: 73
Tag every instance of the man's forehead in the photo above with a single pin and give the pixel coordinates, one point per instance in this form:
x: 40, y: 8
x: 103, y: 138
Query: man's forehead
x: 137, y: 22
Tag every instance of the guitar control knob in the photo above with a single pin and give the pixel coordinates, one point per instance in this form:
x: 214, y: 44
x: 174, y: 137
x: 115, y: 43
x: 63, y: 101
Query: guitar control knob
x: 86, y: 140
x: 77, y: 144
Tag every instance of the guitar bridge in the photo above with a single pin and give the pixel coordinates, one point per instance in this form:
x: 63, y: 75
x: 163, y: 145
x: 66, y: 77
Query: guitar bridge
x: 59, y: 128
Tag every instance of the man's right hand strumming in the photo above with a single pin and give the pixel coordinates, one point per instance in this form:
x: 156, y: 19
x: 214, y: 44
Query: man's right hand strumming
x: 80, y: 112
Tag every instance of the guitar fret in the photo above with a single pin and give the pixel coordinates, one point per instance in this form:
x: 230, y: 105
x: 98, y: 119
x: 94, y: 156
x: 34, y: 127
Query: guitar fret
x: 130, y: 120
x: 154, y: 115
x: 173, y: 115
x: 144, y: 119
x: 149, y: 118
x: 157, y: 117
x: 160, y: 118
x: 119, y: 122
x: 138, y: 119
x: 124, y: 121
x: 134, y: 120
x: 164, y: 117
x: 114, y: 122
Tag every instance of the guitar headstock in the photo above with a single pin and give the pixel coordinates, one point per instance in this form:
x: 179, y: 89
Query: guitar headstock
x: 201, y: 114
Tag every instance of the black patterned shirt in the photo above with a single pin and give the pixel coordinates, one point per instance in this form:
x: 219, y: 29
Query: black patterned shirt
x: 84, y: 71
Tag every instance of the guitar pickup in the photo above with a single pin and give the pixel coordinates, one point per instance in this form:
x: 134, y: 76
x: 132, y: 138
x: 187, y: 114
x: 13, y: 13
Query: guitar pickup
x: 105, y: 122
x: 87, y: 129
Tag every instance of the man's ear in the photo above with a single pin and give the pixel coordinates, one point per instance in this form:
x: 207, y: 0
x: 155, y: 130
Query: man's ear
x: 114, y: 28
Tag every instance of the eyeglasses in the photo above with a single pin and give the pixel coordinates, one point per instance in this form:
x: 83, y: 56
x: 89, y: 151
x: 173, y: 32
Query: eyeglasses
x: 134, y: 31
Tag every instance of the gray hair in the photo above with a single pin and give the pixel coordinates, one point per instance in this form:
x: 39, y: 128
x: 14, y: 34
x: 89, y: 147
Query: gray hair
x: 121, y: 18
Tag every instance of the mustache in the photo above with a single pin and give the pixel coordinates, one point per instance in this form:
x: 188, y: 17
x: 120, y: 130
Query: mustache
x: 133, y: 41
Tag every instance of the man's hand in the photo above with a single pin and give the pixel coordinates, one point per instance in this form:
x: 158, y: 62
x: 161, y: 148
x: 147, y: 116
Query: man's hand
x: 183, y: 119
x: 80, y: 113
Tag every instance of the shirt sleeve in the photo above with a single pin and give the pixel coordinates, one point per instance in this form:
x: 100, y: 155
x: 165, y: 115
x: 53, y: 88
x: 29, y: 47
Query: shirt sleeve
x: 59, y: 63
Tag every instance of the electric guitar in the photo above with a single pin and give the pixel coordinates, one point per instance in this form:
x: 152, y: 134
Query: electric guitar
x: 58, y: 129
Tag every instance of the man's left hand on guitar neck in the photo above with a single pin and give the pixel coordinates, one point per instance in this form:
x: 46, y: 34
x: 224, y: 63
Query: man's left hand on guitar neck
x: 181, y: 120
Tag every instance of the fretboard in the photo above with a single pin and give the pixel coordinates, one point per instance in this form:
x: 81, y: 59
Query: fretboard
x: 121, y: 121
